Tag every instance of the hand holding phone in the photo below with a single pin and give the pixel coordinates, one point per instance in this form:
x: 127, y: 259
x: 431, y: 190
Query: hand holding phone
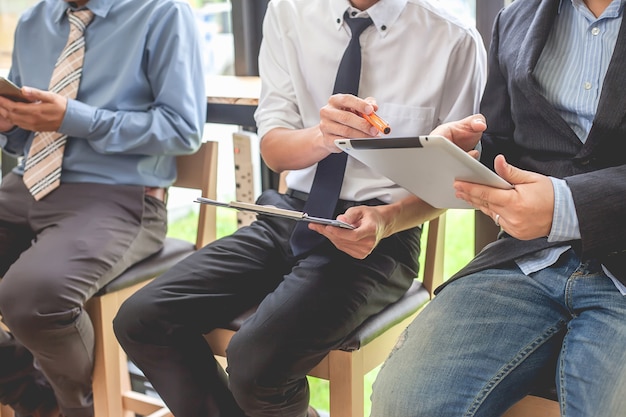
x: 11, y: 91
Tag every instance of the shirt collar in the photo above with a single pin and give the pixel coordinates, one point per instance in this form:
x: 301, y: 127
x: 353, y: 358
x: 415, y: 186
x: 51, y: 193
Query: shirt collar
x: 99, y: 8
x: 613, y: 10
x: 384, y: 13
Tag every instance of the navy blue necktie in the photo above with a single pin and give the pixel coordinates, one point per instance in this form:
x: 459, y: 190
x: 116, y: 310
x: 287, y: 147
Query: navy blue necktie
x: 329, y: 174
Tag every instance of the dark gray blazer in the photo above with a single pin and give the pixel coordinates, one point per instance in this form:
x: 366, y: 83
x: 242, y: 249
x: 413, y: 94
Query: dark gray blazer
x: 524, y: 127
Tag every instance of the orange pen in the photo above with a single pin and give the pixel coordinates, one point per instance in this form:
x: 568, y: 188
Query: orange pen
x: 377, y: 122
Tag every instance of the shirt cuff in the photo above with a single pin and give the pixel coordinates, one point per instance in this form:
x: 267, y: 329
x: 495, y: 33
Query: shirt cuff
x: 12, y: 141
x: 565, y: 224
x: 77, y: 120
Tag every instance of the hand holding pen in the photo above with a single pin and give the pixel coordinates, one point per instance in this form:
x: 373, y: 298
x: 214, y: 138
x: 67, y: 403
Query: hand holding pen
x: 337, y: 123
x: 376, y: 121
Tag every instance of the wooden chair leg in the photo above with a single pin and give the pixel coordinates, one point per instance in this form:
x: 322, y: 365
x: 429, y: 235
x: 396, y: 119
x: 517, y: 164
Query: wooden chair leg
x: 112, y: 393
x: 347, y: 391
x: 107, y: 375
x: 6, y: 411
x: 110, y: 376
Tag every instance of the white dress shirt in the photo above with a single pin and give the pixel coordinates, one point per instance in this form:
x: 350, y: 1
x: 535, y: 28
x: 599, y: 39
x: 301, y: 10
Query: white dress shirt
x: 422, y: 65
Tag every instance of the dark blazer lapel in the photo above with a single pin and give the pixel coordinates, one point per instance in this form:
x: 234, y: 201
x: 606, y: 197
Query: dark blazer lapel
x: 535, y: 40
x: 612, y: 105
x: 530, y: 51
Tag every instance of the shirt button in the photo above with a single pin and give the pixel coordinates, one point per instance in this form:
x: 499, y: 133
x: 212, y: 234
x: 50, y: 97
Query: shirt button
x: 587, y: 85
x: 595, y: 31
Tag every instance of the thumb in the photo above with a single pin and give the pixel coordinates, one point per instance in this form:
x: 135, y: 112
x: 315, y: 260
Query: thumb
x: 352, y: 216
x: 34, y: 94
x: 510, y: 173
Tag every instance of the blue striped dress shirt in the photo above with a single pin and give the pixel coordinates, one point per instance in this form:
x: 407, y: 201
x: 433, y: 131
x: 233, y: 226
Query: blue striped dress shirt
x: 571, y: 72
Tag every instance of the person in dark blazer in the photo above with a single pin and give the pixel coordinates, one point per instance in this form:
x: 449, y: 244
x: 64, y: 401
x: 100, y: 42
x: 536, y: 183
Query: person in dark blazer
x: 545, y: 303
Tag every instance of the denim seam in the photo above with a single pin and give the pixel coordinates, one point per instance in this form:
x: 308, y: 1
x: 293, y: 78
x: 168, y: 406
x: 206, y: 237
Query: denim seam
x: 569, y: 302
x: 562, y: 377
x: 507, y: 368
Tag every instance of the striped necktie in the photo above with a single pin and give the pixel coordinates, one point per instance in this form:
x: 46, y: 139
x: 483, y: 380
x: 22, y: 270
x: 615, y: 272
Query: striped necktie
x: 42, y: 172
x: 329, y: 174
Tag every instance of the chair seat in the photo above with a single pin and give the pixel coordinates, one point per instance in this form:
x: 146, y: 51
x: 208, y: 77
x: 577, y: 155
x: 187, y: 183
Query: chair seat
x: 415, y: 297
x: 173, y: 251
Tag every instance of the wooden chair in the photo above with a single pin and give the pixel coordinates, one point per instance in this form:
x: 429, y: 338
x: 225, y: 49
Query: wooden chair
x: 542, y: 402
x: 361, y: 352
x: 345, y: 368
x: 112, y: 392
x: 111, y: 382
x: 370, y: 344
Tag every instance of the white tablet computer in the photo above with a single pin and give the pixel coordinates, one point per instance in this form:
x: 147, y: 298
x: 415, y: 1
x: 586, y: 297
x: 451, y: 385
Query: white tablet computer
x: 427, y: 166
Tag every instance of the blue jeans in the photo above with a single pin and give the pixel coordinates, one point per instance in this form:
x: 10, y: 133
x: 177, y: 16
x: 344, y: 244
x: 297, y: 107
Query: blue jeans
x: 487, y: 338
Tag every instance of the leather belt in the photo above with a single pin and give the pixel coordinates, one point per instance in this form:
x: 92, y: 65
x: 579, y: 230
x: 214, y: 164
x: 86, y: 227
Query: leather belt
x: 156, y: 192
x: 300, y: 195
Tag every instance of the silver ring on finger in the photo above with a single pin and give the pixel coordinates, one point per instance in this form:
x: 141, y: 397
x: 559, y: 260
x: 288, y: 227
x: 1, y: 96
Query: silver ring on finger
x: 496, y: 220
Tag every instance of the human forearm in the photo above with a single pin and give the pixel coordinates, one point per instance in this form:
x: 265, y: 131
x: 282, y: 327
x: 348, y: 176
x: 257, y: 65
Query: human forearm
x: 405, y: 214
x: 601, y: 209
x: 290, y: 149
x: 157, y: 131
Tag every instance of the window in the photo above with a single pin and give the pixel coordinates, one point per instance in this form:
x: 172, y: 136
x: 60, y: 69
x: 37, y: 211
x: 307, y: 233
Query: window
x: 214, y: 24
x: 464, y: 8
x: 10, y: 11
x: 216, y: 29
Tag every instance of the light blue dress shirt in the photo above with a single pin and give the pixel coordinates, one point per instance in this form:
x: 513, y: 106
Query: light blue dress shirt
x: 141, y: 99
x: 571, y: 72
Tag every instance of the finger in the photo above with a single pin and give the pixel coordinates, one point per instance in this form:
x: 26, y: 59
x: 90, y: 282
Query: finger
x: 472, y: 124
x: 465, y: 133
x: 4, y: 102
x: 486, y: 199
x: 341, y: 123
x: 478, y: 123
x: 496, y: 219
x: 34, y: 94
x: 351, y: 103
x: 512, y: 174
x: 372, y: 102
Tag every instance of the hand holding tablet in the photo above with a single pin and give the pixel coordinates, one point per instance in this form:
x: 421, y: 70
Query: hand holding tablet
x: 427, y: 166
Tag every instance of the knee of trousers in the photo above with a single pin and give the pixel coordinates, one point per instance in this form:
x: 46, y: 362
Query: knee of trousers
x: 28, y: 320
x: 138, y: 321
x: 252, y: 371
x: 243, y: 370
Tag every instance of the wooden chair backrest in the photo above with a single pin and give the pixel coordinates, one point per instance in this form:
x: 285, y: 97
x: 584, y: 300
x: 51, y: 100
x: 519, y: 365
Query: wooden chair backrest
x: 196, y: 171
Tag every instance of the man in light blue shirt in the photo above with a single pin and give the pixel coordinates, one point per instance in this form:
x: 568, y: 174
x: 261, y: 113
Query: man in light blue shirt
x: 140, y: 102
